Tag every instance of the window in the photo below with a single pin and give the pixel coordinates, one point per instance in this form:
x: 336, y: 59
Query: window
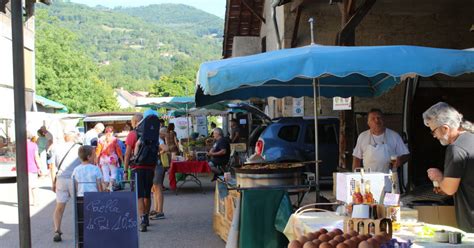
x: 289, y: 133
x: 326, y: 134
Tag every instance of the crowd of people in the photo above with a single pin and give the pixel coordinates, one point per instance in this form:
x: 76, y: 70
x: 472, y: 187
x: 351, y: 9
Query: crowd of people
x: 100, y: 160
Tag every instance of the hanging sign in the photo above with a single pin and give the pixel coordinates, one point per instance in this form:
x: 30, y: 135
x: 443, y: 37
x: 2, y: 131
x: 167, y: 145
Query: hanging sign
x: 298, y: 106
x: 339, y: 103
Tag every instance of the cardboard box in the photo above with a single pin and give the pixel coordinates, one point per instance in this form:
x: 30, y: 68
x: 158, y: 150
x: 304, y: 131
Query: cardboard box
x: 379, y: 183
x: 438, y: 215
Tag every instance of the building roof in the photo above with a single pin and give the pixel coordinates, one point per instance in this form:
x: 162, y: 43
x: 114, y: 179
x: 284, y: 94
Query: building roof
x: 47, y: 103
x: 242, y: 18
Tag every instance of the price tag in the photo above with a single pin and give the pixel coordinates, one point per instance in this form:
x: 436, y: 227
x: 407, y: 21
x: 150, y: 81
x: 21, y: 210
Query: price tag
x: 391, y: 199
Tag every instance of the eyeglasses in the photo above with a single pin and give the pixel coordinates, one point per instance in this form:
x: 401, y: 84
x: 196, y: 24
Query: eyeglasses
x: 434, y: 130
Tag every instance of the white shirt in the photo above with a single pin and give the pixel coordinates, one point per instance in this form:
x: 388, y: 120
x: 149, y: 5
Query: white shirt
x: 389, y: 137
x: 86, y: 176
x: 90, y: 136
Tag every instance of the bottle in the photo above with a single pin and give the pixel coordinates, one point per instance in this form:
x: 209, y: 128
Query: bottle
x: 436, y: 187
x: 368, y: 197
x: 357, y: 196
x: 360, y: 227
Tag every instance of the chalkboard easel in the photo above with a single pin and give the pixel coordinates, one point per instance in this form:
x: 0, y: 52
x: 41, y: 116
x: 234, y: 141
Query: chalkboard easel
x: 106, y: 219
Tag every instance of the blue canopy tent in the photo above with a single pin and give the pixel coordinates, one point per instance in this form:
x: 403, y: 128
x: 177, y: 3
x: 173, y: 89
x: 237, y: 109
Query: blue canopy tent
x: 327, y: 71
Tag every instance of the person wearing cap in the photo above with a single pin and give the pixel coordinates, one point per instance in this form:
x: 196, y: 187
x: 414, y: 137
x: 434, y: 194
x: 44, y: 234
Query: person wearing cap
x: 65, y: 161
x: 92, y: 136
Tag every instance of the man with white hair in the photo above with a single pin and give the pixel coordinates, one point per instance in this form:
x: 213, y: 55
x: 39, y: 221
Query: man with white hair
x: 448, y: 126
x: 92, y: 136
x: 65, y: 160
x: 220, y: 152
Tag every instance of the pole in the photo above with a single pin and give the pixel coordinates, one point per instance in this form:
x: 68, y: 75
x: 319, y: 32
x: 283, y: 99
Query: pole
x: 20, y: 124
x: 316, y: 145
x: 311, y: 23
x: 316, y: 114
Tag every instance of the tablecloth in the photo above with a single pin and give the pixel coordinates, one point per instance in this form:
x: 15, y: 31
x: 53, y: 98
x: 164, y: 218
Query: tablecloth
x: 263, y: 216
x: 186, y: 167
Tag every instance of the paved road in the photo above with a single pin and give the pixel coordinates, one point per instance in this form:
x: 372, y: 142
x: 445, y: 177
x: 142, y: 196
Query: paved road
x: 188, y: 220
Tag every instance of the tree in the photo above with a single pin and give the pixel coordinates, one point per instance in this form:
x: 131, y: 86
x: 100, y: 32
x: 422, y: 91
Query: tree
x: 64, y: 73
x: 172, y: 86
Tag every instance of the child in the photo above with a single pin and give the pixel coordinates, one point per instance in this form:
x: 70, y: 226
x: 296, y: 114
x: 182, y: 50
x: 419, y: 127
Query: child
x: 109, y: 155
x: 87, y: 176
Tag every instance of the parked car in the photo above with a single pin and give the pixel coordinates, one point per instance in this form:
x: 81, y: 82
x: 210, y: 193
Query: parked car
x: 291, y: 139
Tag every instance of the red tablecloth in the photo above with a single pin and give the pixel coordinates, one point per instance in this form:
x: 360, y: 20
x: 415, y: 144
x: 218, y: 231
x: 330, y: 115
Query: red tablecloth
x: 187, y: 167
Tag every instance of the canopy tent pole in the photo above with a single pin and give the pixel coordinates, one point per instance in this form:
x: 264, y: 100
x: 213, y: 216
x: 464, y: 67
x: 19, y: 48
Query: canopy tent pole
x: 316, y: 146
x: 20, y: 125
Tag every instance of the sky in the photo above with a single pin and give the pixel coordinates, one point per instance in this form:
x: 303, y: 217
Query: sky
x: 216, y: 7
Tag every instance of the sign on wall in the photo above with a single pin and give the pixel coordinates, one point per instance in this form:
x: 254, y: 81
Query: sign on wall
x: 298, y: 106
x: 339, y: 103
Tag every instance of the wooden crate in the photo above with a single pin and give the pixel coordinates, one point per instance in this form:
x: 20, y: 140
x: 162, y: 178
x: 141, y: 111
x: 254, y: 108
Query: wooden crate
x: 224, y: 212
x: 352, y: 224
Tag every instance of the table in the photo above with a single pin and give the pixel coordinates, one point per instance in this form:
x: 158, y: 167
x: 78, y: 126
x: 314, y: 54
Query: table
x: 189, y: 168
x: 312, y: 221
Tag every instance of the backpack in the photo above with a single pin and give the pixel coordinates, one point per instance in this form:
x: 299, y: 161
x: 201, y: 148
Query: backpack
x: 148, y: 132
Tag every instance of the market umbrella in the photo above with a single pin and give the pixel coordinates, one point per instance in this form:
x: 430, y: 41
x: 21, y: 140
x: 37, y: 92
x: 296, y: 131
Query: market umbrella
x: 327, y: 71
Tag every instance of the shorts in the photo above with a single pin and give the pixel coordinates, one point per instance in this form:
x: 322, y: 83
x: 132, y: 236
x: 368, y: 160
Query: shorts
x: 33, y: 180
x: 144, y: 182
x: 159, y: 174
x: 109, y: 171
x: 64, y: 190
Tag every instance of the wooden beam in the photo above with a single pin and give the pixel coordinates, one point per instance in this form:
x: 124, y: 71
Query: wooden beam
x: 296, y: 4
x: 294, y: 36
x: 259, y: 16
x: 347, y: 33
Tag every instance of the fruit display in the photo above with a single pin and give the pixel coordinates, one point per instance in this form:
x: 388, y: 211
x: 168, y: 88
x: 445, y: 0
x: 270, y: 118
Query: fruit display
x: 338, y: 239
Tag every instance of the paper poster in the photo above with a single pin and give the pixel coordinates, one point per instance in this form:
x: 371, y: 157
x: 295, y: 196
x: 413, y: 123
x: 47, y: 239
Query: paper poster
x: 298, y: 106
x: 339, y: 103
x: 201, y: 122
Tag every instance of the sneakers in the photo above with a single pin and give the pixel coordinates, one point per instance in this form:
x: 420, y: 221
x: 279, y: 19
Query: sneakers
x: 142, y: 227
x: 157, y: 216
x: 57, y: 237
x: 145, y: 222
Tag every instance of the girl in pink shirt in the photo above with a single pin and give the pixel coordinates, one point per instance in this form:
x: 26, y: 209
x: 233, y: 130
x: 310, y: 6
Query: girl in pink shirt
x: 34, y: 163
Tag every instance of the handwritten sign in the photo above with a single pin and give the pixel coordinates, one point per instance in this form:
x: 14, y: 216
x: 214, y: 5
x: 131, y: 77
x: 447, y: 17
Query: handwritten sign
x: 110, y: 218
x: 391, y: 199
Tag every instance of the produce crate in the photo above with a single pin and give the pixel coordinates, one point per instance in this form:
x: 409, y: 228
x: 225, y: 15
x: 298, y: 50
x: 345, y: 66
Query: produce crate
x: 224, y: 212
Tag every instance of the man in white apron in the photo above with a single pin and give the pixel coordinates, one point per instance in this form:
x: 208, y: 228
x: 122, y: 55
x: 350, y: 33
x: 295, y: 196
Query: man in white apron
x: 375, y: 146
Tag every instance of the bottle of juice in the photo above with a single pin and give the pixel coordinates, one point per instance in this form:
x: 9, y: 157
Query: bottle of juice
x: 357, y: 197
x: 368, y: 197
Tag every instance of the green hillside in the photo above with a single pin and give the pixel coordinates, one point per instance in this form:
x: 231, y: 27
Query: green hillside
x: 158, y: 47
x: 178, y: 17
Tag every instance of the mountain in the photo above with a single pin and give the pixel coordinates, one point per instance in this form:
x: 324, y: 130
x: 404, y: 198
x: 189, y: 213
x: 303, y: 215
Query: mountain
x: 178, y: 17
x: 135, y: 47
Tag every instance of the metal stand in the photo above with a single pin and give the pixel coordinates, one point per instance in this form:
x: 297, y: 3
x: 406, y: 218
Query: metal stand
x: 192, y: 178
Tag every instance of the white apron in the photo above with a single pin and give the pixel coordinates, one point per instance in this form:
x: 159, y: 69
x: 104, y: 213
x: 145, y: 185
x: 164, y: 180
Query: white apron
x: 377, y: 156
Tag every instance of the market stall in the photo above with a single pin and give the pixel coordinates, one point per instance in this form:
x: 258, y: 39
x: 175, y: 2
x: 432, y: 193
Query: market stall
x: 327, y: 71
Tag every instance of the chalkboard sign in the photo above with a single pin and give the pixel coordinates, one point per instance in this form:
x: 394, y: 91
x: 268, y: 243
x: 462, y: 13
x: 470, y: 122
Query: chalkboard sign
x: 110, y: 220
